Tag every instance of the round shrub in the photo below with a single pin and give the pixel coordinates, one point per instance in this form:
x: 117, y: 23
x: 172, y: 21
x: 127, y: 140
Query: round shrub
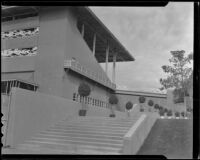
x: 84, y: 90
x: 142, y: 99
x: 113, y: 99
x: 177, y: 114
x: 150, y: 103
x: 129, y: 105
x: 156, y: 106
x: 169, y: 113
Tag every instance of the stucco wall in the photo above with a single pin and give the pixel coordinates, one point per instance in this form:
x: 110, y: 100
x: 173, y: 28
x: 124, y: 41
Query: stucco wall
x: 59, y: 39
x: 18, y: 64
x: 124, y: 98
x: 137, y: 134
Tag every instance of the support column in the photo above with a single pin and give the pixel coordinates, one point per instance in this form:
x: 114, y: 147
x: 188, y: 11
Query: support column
x: 94, y: 44
x: 82, y: 30
x: 114, y: 66
x: 107, y: 55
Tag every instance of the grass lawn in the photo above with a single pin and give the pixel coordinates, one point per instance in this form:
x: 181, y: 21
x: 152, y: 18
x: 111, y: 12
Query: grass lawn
x: 171, y: 138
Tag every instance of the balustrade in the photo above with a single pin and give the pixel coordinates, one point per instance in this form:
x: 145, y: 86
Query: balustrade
x: 89, y: 100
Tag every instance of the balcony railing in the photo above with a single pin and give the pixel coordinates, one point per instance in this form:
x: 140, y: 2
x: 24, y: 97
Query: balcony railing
x: 90, y: 100
x: 98, y: 77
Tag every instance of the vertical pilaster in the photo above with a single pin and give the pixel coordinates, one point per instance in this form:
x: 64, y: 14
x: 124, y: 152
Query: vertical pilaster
x: 114, y: 67
x: 107, y: 55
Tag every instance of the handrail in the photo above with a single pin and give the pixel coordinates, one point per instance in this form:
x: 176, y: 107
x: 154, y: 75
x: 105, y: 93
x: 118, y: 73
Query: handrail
x: 75, y: 65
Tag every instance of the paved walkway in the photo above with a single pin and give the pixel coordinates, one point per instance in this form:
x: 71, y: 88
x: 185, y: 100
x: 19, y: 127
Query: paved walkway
x: 171, y: 138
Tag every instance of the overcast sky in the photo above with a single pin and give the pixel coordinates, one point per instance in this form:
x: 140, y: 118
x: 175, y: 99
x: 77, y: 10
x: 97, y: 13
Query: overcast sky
x: 149, y: 34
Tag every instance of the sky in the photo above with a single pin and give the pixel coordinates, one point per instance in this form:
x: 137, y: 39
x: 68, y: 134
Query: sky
x: 149, y: 34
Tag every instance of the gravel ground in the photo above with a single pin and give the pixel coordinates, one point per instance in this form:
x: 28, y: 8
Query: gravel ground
x: 171, y: 138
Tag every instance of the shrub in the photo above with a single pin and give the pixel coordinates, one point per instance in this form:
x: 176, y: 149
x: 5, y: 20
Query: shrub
x: 84, y: 90
x: 142, y: 99
x: 161, y: 108
x: 129, y: 105
x: 183, y: 114
x: 169, y: 113
x: 156, y: 106
x: 177, y: 114
x: 165, y: 110
x: 113, y: 99
x: 161, y: 112
x: 150, y: 103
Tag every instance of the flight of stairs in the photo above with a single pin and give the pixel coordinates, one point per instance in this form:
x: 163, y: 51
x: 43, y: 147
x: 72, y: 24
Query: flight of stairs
x: 80, y: 135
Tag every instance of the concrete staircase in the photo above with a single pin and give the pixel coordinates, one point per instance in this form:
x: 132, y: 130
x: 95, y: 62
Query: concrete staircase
x: 80, y: 135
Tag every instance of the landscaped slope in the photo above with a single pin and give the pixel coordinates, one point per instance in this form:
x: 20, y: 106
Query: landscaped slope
x: 171, y: 138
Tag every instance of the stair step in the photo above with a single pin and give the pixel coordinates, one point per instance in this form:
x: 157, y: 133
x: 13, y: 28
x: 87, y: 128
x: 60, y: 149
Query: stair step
x: 66, y: 149
x: 115, y: 121
x: 89, y: 139
x: 82, y: 135
x: 43, y: 139
x: 107, y: 132
x: 86, y: 133
x: 93, y: 126
x: 89, y: 128
x: 98, y: 124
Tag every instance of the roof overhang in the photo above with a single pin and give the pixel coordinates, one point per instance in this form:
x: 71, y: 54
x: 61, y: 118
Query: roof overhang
x: 141, y: 93
x: 92, y: 26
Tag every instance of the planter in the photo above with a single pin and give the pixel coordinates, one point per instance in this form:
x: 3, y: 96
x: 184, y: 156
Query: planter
x: 82, y: 112
x: 169, y: 117
x: 177, y: 117
x: 162, y: 117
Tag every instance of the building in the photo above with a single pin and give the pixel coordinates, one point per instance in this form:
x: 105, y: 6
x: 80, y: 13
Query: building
x: 66, y: 45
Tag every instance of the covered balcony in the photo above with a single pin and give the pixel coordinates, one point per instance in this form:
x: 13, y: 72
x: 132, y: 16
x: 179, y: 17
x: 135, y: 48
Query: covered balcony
x: 97, y: 77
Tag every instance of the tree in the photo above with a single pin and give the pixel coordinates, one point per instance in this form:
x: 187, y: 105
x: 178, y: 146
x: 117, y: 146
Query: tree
x: 178, y: 73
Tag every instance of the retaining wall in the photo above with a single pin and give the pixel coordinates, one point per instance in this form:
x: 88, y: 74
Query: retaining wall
x: 137, y: 134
